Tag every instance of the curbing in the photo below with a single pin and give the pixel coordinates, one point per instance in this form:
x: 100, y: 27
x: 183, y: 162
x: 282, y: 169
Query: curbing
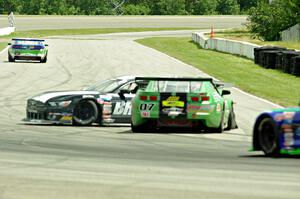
x: 245, y: 49
x: 7, y: 31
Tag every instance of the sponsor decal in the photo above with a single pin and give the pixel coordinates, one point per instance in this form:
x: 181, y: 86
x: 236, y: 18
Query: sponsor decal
x: 200, y: 108
x: 279, y: 117
x: 66, y: 118
x: 145, y: 114
x: 218, y: 107
x: 87, y: 96
x: 288, y: 139
x: 122, y: 108
x: 173, y: 101
x: 173, y: 98
x: 288, y: 115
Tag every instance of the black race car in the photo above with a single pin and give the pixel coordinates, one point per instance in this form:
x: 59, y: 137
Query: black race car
x: 105, y: 102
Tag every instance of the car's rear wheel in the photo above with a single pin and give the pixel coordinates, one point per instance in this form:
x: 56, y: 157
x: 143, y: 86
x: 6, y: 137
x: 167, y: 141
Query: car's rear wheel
x: 10, y: 58
x: 268, y: 137
x: 85, y: 113
x: 231, y: 121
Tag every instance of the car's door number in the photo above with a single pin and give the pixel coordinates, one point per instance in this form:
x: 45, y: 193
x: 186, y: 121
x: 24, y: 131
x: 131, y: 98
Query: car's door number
x: 146, y: 107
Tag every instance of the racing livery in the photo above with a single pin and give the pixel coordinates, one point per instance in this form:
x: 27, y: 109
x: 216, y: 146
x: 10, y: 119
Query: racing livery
x: 28, y: 49
x: 278, y: 132
x: 104, y: 103
x: 182, y: 102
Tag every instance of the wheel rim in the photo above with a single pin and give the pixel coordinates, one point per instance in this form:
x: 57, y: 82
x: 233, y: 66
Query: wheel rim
x: 267, y: 137
x: 84, y: 111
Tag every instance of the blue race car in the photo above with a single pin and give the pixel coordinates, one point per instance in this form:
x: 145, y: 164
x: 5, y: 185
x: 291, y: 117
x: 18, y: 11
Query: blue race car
x: 278, y: 132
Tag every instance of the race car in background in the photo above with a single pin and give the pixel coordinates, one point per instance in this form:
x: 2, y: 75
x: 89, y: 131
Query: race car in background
x: 182, y: 102
x: 278, y: 132
x: 105, y: 102
x: 28, y: 49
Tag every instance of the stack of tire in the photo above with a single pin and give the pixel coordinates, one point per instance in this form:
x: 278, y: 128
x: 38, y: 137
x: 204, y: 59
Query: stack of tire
x: 275, y: 57
x: 295, y: 70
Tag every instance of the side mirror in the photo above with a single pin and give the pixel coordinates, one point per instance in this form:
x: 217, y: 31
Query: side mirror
x: 46, y: 45
x: 9, y: 44
x: 225, y: 92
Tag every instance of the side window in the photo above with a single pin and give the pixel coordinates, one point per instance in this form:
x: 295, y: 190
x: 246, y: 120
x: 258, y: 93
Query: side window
x: 131, y: 86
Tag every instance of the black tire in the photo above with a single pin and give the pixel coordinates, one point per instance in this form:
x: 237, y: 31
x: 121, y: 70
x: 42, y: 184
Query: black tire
x: 44, y: 60
x: 10, y: 59
x: 231, y: 121
x: 268, y: 137
x: 85, y: 113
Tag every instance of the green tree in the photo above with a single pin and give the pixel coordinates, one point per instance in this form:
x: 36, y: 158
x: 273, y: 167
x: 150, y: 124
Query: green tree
x: 205, y: 7
x: 267, y: 21
x: 228, y: 7
x: 132, y: 9
x: 172, y: 7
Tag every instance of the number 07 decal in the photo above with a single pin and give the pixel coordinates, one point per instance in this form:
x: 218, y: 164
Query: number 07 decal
x: 146, y: 107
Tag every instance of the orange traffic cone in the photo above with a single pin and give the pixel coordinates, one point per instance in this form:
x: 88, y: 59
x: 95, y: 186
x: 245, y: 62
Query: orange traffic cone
x: 212, y: 33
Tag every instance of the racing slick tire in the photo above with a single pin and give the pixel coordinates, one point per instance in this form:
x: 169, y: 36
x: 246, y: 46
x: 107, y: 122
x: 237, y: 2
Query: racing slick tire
x: 231, y: 121
x: 10, y: 58
x: 85, y: 113
x: 44, y: 60
x: 268, y: 137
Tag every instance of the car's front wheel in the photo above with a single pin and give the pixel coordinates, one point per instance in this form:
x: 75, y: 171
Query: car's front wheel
x: 268, y: 137
x: 10, y: 58
x: 85, y: 113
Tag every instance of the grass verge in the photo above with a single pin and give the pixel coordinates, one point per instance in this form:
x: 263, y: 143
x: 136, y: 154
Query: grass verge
x: 2, y: 45
x: 243, y: 35
x: 276, y: 86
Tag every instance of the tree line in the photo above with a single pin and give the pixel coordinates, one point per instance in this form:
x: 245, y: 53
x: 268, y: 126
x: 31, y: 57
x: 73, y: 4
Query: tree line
x: 130, y: 7
x: 266, y: 20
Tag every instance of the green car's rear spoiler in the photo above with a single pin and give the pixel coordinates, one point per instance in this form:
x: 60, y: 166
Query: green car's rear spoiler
x: 172, y: 79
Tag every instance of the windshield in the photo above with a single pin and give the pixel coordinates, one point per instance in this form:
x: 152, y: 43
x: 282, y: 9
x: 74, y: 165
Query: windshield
x: 105, y: 86
x: 175, y: 86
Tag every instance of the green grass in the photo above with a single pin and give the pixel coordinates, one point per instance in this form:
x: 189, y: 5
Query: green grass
x: 276, y: 86
x: 244, y: 35
x: 2, y: 45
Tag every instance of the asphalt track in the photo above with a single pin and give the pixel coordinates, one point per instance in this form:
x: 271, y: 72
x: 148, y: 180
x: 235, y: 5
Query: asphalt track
x: 71, y: 22
x: 111, y: 162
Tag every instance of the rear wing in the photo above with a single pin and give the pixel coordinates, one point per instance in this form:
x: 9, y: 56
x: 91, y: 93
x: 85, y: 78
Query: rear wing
x: 163, y: 84
x: 219, y: 84
x: 29, y: 39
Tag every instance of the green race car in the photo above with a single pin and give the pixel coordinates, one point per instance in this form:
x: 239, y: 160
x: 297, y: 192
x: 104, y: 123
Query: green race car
x: 182, y: 102
x: 28, y: 49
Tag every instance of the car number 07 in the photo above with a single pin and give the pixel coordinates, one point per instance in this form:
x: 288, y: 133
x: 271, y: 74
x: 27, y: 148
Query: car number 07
x: 146, y: 107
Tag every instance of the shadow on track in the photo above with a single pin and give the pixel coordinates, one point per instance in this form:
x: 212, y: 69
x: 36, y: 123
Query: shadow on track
x: 285, y: 156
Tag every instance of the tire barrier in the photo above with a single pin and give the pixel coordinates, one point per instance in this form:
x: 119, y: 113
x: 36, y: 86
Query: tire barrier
x: 274, y: 57
x: 296, y: 66
x: 271, y: 57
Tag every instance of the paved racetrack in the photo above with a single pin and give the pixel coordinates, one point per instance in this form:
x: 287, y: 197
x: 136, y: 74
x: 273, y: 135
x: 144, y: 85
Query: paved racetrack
x: 111, y: 162
x: 70, y: 22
